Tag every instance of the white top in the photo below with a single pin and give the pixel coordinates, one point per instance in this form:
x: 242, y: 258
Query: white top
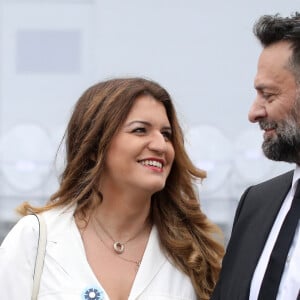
x: 67, y: 274
x: 290, y: 280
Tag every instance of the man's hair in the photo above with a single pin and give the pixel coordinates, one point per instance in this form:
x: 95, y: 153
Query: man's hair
x: 270, y: 29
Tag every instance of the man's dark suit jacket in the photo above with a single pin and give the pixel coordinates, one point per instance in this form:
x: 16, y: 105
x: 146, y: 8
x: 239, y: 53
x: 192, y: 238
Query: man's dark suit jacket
x: 252, y: 224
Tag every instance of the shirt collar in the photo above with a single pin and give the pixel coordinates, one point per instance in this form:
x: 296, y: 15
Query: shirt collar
x: 296, y: 177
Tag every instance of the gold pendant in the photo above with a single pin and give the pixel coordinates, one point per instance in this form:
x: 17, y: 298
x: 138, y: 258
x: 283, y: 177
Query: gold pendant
x: 118, y: 247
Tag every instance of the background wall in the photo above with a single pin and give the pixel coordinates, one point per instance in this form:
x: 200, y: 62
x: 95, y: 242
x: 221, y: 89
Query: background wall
x: 203, y: 52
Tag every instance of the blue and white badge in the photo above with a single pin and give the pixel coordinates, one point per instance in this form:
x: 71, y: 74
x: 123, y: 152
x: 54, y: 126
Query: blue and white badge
x: 92, y: 293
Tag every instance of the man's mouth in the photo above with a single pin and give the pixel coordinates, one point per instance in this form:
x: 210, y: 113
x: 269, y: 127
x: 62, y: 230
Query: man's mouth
x: 267, y: 126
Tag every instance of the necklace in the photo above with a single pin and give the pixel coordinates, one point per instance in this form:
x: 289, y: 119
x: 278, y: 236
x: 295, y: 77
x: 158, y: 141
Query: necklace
x: 118, y: 246
x: 136, y: 262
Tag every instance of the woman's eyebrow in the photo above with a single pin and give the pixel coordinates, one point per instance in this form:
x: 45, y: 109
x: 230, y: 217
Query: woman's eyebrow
x: 137, y: 121
x: 167, y: 127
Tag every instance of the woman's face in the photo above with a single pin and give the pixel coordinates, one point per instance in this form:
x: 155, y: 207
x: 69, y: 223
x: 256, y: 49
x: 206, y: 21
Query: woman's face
x: 141, y: 153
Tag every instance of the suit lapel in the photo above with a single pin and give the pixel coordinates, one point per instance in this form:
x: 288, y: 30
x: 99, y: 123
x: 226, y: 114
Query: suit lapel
x: 270, y: 197
x: 254, y: 219
x: 263, y: 203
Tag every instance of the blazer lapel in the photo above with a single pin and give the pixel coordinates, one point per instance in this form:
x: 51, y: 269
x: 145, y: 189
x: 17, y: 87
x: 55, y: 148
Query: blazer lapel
x: 152, y: 262
x: 66, y: 251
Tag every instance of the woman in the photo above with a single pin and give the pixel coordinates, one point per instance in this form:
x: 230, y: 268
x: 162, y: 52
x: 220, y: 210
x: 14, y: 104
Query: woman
x: 125, y: 222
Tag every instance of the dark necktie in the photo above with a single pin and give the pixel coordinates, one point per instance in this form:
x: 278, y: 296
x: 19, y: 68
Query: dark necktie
x: 272, y: 277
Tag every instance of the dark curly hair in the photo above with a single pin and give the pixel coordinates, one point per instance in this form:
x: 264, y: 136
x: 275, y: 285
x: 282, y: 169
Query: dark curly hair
x: 270, y: 29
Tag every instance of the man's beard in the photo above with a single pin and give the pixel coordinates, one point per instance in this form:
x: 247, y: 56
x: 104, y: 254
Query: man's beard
x: 284, y: 145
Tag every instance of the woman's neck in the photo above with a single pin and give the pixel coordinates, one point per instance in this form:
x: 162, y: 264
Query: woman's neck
x: 122, y: 216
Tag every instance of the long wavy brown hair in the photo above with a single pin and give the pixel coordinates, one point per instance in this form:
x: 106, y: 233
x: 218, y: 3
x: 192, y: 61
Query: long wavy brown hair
x: 186, y: 234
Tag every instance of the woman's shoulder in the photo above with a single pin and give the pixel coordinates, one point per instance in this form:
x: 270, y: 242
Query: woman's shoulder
x: 59, y: 220
x: 27, y: 228
x: 27, y: 225
x: 56, y: 214
x: 23, y: 235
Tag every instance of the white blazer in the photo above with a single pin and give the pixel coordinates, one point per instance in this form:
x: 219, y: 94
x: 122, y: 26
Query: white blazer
x: 67, y: 274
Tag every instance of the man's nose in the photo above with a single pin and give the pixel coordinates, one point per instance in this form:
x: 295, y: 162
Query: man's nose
x: 257, y: 111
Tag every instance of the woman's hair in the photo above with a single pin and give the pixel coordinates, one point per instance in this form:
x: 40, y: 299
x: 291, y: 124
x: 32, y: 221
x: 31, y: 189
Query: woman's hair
x: 186, y: 234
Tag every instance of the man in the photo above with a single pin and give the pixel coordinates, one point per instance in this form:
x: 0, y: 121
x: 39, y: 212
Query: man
x: 265, y: 210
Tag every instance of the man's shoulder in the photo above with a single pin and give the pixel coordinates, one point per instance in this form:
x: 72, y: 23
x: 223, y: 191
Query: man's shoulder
x: 269, y: 190
x: 282, y: 179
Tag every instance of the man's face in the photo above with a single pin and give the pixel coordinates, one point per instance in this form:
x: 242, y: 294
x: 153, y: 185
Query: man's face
x: 276, y: 106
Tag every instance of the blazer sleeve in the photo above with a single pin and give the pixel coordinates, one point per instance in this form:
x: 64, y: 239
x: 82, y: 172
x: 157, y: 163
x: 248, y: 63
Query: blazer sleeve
x: 17, y: 258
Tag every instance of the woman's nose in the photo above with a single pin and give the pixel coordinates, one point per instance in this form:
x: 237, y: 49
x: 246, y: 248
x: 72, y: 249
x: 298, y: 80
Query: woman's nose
x: 157, y: 142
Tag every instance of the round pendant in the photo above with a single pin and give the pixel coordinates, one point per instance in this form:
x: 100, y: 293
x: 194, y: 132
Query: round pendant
x: 118, y: 247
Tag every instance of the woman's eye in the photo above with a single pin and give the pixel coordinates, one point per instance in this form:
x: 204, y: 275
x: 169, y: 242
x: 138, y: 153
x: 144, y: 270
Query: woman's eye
x: 167, y: 135
x: 139, y: 130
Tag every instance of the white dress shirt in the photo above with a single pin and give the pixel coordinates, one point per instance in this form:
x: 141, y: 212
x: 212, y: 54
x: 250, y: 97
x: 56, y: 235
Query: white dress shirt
x: 290, y: 280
